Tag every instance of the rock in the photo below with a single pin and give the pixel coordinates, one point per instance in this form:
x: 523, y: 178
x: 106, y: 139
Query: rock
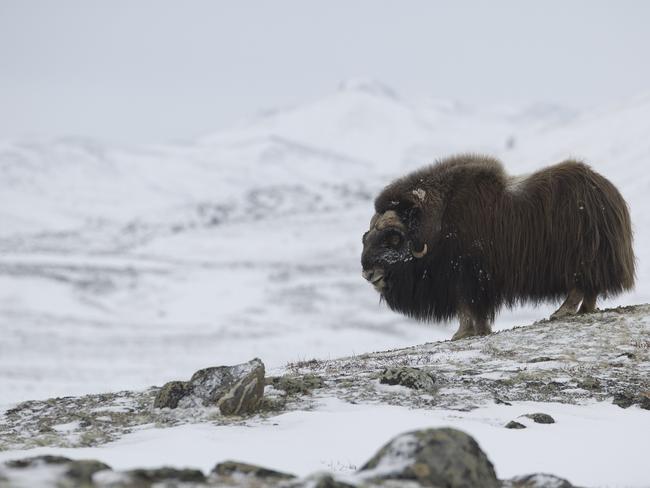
x: 171, y: 393
x: 499, y: 401
x: 414, y: 378
x: 323, y: 480
x: 541, y: 359
x: 296, y: 385
x: 515, y: 425
x: 644, y: 400
x: 540, y: 418
x: 57, y: 471
x: 623, y: 400
x: 589, y: 383
x: 433, y: 457
x: 234, y: 389
x: 537, y: 480
x: 33, y: 461
x: 82, y: 471
x: 230, y: 468
x: 165, y: 474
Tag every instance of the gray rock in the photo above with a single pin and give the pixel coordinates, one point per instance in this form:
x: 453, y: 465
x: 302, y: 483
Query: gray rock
x: 433, y: 457
x: 171, y: 393
x: 414, y: 378
x: 234, y: 389
x: 230, y: 468
x: 537, y: 480
x: 644, y: 400
x: 541, y: 359
x: 165, y: 474
x: 55, y: 471
x: 589, y: 383
x: 34, y: 461
x: 540, y: 418
x: 82, y: 471
x: 623, y: 400
x: 515, y: 425
x: 323, y: 480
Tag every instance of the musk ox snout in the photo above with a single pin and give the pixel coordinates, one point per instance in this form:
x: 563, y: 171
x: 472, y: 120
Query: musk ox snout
x: 385, y: 243
x: 375, y: 277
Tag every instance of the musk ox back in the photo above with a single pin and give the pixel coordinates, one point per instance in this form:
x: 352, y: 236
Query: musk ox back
x: 462, y: 238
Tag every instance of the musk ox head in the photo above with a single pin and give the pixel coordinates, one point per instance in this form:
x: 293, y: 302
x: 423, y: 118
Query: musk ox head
x: 402, y: 230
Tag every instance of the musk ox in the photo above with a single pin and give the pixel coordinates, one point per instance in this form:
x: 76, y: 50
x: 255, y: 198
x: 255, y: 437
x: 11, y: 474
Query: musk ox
x: 463, y: 238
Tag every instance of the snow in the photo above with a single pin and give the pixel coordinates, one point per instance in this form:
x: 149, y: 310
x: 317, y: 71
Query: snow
x: 120, y: 269
x: 577, y: 447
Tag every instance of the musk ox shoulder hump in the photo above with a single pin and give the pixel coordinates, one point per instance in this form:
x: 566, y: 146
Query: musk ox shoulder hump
x: 435, y: 179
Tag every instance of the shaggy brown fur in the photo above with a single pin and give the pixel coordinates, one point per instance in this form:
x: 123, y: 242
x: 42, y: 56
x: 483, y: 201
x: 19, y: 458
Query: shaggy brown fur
x: 490, y: 240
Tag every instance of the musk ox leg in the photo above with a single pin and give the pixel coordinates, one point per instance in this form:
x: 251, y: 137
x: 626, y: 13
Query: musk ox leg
x: 470, y: 324
x: 570, y: 305
x: 466, y: 329
x: 589, y: 303
x: 482, y: 327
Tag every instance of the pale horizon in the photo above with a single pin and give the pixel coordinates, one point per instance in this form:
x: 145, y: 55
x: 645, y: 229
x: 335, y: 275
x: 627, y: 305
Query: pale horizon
x: 151, y: 72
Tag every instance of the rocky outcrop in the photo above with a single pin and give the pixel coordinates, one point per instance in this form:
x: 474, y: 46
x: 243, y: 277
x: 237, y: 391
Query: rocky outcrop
x: 234, y: 390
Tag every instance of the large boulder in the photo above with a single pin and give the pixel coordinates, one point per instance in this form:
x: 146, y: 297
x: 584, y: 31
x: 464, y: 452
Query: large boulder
x: 235, y: 389
x: 433, y: 457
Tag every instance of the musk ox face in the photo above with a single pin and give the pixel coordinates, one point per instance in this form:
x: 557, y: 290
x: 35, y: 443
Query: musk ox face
x: 386, y: 247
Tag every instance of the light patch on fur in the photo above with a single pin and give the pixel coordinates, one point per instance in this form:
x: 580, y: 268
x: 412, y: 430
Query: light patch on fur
x: 420, y: 193
x: 515, y: 184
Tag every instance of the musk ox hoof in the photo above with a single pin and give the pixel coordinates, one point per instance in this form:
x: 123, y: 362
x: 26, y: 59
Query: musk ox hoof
x: 463, y: 334
x: 465, y: 331
x: 561, y: 314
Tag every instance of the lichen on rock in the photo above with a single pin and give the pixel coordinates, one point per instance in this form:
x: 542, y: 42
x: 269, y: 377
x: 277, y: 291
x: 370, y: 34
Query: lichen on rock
x: 414, y: 378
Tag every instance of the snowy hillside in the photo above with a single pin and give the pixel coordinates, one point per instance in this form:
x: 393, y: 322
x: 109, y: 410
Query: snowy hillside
x: 122, y: 267
x: 576, y: 408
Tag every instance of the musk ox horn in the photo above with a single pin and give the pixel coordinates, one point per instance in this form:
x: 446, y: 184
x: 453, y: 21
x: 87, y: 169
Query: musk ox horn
x: 422, y: 253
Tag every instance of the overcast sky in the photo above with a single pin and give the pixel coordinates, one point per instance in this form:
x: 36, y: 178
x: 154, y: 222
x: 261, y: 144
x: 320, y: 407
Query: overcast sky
x: 151, y: 71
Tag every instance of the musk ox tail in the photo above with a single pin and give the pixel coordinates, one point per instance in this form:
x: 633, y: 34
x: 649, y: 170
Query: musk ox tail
x: 607, y: 234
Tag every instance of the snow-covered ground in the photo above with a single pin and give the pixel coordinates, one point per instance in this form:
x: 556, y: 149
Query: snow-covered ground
x: 126, y: 267
x: 341, y: 437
